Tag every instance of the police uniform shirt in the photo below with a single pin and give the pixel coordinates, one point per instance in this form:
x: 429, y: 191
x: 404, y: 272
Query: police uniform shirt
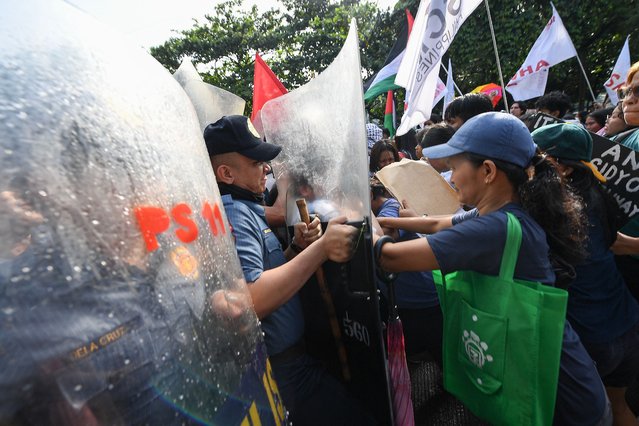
x: 259, y: 250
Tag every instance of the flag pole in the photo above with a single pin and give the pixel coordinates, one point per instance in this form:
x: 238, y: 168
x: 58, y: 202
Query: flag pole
x: 586, y: 77
x: 581, y: 66
x: 456, y: 87
x: 501, y: 76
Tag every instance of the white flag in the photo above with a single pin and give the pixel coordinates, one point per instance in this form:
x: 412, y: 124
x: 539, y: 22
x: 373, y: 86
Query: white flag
x: 619, y: 72
x: 450, y: 87
x: 434, y: 29
x: 552, y: 47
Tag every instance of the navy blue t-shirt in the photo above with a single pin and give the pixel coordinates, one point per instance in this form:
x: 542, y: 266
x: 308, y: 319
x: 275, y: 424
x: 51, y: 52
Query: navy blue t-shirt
x: 413, y: 290
x: 600, y: 306
x: 477, y: 244
x: 259, y: 250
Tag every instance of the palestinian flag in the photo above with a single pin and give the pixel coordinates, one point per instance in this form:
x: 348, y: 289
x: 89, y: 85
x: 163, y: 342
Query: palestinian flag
x: 389, y: 113
x: 384, y: 79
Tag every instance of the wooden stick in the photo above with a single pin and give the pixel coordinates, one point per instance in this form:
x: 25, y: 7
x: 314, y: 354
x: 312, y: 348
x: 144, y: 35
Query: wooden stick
x: 328, y: 300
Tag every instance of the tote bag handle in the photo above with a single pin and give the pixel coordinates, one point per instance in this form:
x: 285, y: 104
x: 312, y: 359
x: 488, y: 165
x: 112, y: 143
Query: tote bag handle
x: 511, y: 249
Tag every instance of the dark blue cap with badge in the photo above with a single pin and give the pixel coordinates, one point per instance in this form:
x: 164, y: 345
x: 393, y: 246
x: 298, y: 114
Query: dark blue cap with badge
x: 493, y: 135
x: 236, y: 133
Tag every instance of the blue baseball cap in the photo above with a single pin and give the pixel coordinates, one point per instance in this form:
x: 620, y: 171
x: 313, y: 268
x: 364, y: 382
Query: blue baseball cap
x: 236, y: 133
x: 495, y: 135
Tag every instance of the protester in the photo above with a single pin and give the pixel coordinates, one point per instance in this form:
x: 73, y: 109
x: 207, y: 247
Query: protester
x: 386, y: 134
x: 629, y: 265
x: 518, y: 108
x: 490, y: 157
x: 596, y: 120
x: 600, y: 307
x: 382, y: 154
x: 554, y: 103
x: 415, y: 292
x: 435, y: 135
x: 373, y: 134
x: 631, y: 106
x: 462, y: 108
x: 274, y: 276
x: 581, y: 116
x: 406, y: 144
x: 434, y: 119
x: 615, y: 123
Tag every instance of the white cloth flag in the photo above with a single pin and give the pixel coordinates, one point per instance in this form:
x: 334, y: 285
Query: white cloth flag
x: 450, y: 87
x: 434, y: 29
x: 552, y: 47
x: 619, y: 72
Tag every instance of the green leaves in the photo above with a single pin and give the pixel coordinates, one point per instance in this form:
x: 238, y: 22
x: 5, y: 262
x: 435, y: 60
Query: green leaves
x: 302, y: 37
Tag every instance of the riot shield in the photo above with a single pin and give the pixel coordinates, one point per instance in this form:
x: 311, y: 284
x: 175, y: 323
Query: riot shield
x: 122, y: 300
x: 211, y: 103
x: 322, y: 131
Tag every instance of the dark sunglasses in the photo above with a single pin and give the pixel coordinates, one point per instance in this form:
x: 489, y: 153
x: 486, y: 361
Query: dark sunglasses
x: 623, y: 93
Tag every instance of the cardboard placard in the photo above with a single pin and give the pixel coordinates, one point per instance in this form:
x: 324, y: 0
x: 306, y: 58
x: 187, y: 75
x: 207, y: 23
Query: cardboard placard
x: 424, y: 189
x: 540, y: 119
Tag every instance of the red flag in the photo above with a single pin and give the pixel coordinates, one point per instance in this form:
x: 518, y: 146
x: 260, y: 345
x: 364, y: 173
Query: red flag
x: 409, y: 18
x: 266, y: 86
x: 389, y: 113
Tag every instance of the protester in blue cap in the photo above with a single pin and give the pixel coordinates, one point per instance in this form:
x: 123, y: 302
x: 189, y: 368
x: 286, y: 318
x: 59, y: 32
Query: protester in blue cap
x: 497, y: 170
x: 600, y: 306
x: 240, y: 162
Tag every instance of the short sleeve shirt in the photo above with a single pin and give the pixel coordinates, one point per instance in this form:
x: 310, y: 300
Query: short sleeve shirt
x: 413, y: 290
x: 600, y: 306
x: 476, y: 243
x: 259, y: 250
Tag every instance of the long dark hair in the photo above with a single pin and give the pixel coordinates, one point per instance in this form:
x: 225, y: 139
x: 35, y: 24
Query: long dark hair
x: 557, y: 209
x: 376, y: 152
x: 595, y: 198
x: 406, y: 143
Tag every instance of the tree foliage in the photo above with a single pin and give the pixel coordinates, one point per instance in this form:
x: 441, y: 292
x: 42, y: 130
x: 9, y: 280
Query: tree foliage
x: 297, y: 42
x: 302, y: 37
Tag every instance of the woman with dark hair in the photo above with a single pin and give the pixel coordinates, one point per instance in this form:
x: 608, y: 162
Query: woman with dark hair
x: 600, y: 307
x: 437, y: 134
x: 518, y: 108
x: 406, y: 145
x: 383, y: 153
x: 631, y: 106
x: 616, y: 126
x: 596, y: 120
x: 495, y: 168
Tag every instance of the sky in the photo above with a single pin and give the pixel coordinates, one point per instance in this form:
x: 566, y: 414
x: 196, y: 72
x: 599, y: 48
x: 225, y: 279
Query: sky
x: 150, y: 22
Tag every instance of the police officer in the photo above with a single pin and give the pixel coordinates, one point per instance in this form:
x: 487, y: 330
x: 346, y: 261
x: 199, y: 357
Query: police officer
x: 240, y: 161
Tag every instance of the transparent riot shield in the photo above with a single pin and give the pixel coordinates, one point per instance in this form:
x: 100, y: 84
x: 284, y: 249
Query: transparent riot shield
x: 211, y: 103
x: 322, y: 131
x: 121, y: 296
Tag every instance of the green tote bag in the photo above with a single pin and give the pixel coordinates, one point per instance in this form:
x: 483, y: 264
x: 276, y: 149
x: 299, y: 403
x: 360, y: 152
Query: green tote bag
x: 502, y: 340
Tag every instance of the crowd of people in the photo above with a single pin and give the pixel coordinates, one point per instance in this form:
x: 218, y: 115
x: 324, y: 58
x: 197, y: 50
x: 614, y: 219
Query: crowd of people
x: 498, y: 168
x: 573, y: 235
